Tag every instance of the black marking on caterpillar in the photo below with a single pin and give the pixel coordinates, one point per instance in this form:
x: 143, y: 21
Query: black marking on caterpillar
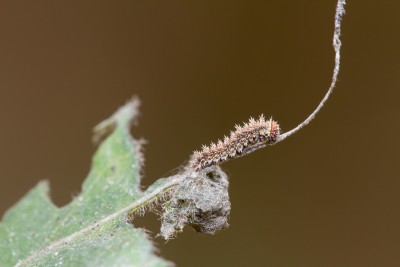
x: 251, y: 133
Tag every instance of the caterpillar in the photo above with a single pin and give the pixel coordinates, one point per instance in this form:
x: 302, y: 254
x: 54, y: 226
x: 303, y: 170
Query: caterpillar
x: 252, y: 133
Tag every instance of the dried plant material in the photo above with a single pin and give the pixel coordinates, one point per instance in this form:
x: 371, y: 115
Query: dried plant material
x: 198, y: 199
x: 201, y: 201
x: 252, y: 133
x: 337, y: 44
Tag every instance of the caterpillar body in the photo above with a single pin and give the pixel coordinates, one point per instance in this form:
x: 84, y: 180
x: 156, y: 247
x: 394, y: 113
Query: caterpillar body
x: 254, y: 132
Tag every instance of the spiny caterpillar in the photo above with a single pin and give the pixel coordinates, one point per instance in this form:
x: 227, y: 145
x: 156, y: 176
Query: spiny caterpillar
x: 252, y: 133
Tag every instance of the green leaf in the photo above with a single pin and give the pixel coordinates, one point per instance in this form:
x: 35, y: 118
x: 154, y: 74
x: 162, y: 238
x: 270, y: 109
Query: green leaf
x: 91, y: 230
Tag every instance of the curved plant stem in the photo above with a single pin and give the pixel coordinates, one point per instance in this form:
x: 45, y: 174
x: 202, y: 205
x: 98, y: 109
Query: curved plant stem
x: 336, y: 45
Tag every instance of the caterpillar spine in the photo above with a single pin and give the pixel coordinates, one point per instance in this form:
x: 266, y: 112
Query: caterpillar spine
x: 252, y: 133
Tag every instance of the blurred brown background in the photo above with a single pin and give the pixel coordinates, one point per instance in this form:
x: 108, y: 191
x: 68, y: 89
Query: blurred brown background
x: 328, y: 196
